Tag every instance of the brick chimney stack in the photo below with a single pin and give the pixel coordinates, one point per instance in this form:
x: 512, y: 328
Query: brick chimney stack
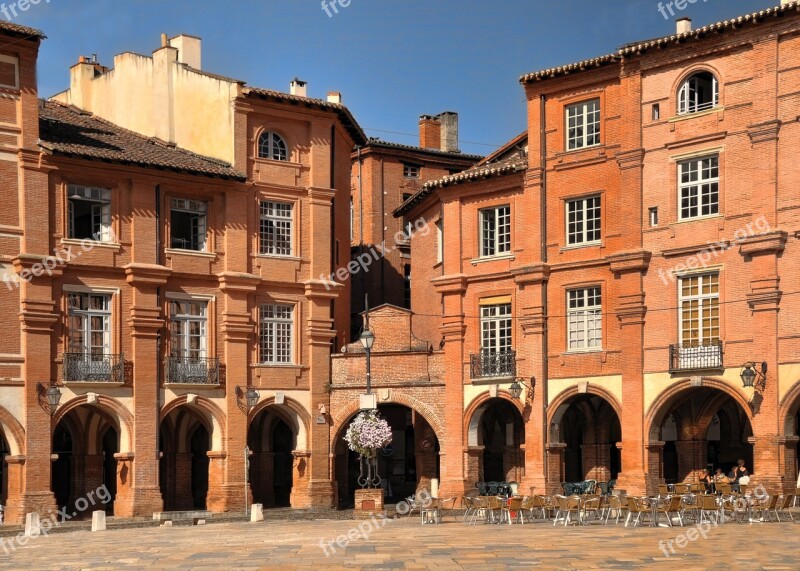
x: 430, y: 132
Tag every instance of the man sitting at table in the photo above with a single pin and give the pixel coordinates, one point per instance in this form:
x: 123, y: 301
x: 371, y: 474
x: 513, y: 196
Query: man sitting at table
x: 706, y: 479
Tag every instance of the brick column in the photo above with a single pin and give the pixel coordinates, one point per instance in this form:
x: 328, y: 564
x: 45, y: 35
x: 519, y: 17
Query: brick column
x: 145, y: 323
x: 597, y: 462
x: 262, y: 466
x: 123, y: 505
x: 15, y: 510
x: 301, y: 476
x: 555, y: 467
x: 453, y: 328
x: 692, y: 456
x: 654, y: 454
x: 474, y: 465
x: 182, y: 486
x: 92, y: 473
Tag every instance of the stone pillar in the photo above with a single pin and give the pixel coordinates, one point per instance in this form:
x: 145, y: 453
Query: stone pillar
x: 425, y: 455
x: 789, y: 462
x: 597, y: 462
x: 692, y: 456
x: 301, y: 474
x: 474, y: 465
x: 655, y: 468
x: 514, y: 463
x: 15, y: 466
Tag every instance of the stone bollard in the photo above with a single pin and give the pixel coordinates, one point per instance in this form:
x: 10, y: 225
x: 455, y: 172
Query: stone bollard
x: 99, y: 520
x: 257, y: 512
x: 32, y: 525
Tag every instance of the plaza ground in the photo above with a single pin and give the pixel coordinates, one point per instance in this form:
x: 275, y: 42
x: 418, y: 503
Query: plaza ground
x: 405, y: 544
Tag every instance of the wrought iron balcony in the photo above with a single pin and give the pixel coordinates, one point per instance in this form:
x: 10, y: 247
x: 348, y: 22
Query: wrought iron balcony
x: 694, y: 357
x: 487, y: 364
x: 94, y: 367
x: 192, y: 371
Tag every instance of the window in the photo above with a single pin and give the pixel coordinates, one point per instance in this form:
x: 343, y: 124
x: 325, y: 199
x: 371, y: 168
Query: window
x: 698, y: 182
x: 9, y: 72
x: 698, y: 93
x: 275, y: 334
x: 407, y: 286
x: 272, y: 146
x: 439, y: 241
x: 583, y: 125
x: 699, y: 303
x: 410, y: 171
x: 88, y: 213
x: 276, y: 228
x: 653, y: 213
x: 89, y: 323
x: 188, y: 329
x: 352, y: 219
x: 188, y: 224
x: 496, y: 328
x: 656, y: 111
x: 583, y: 221
x: 584, y: 319
x: 495, y: 231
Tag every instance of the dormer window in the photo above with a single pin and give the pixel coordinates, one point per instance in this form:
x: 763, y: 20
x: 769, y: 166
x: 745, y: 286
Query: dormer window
x: 272, y: 146
x: 699, y: 92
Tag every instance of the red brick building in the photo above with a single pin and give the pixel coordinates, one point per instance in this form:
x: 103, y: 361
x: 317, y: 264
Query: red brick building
x: 197, y: 214
x: 629, y: 273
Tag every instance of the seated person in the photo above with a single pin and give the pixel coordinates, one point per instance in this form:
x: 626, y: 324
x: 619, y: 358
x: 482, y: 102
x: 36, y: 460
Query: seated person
x: 720, y: 477
x: 706, y: 479
x: 739, y: 471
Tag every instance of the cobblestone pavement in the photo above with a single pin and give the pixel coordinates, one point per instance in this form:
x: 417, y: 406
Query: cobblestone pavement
x: 405, y: 544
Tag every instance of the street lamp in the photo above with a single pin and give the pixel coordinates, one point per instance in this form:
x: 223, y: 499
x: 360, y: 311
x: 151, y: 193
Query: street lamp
x: 250, y: 397
x: 367, y: 339
x: 752, y: 377
x: 516, y: 388
x: 53, y: 395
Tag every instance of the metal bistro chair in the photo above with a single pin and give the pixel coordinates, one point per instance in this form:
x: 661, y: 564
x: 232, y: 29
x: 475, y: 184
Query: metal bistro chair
x: 671, y: 509
x: 591, y: 506
x: 783, y: 507
x: 567, y: 507
x: 709, y: 510
x: 495, y: 509
x: 431, y: 513
x: 480, y: 509
x: 617, y: 505
x: 512, y: 511
x: 638, y: 511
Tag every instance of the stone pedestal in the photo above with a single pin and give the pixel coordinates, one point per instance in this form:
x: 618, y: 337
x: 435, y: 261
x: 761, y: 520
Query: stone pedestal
x: 369, y: 501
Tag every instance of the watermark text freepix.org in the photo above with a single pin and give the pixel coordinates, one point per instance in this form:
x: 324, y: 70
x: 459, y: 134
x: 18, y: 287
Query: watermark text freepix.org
x: 678, y: 4
x: 9, y: 10
x: 331, y: 7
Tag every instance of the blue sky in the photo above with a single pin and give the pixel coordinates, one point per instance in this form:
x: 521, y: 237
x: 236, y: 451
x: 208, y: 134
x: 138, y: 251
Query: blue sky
x: 393, y: 60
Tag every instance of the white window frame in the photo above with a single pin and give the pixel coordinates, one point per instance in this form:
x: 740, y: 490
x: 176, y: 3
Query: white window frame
x: 276, y: 228
x: 81, y: 321
x: 100, y: 199
x: 706, y: 303
x: 579, y: 117
x: 180, y: 329
x: 688, y: 100
x: 585, y: 319
x: 439, y: 241
x: 496, y: 329
x: 272, y: 146
x: 15, y: 62
x: 495, y: 231
x: 276, y: 334
x: 198, y: 208
x: 411, y: 171
x: 700, y: 188
x: 581, y: 208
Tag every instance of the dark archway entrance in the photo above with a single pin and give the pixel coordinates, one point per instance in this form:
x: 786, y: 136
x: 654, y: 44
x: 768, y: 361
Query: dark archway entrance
x: 702, y: 427
x: 184, y: 443
x: 85, y: 441
x: 589, y: 429
x: 496, y: 435
x: 272, y: 441
x: 407, y: 466
x: 4, y: 451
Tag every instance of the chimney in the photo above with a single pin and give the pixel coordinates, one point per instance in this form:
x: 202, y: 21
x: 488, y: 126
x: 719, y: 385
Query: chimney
x: 164, y: 40
x: 189, y: 50
x: 449, y: 132
x: 430, y: 132
x: 684, y: 25
x: 335, y: 97
x: 298, y: 87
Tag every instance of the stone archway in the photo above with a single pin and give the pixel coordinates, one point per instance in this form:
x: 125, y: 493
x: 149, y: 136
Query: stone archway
x: 789, y: 415
x: 495, y: 439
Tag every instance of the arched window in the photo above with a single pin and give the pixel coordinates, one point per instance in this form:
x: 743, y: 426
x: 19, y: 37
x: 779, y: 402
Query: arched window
x: 272, y: 146
x: 698, y: 93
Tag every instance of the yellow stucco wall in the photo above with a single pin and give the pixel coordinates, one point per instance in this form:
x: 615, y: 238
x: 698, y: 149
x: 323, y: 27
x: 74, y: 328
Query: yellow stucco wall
x: 611, y: 383
x: 788, y: 377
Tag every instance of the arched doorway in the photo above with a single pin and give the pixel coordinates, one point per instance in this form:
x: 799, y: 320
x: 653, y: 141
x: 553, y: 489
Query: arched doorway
x: 4, y: 451
x: 588, y: 428
x: 184, y: 444
x: 272, y: 441
x: 85, y: 441
x: 407, y: 466
x: 701, y: 427
x: 495, y: 437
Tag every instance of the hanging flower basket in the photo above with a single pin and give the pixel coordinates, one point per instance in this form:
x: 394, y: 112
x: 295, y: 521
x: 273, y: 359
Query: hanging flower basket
x: 367, y: 434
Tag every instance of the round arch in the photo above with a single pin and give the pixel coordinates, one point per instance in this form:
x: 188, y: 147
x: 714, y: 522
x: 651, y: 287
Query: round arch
x: 559, y: 405
x: 292, y: 413
x: 346, y: 414
x: 689, y: 72
x: 788, y: 410
x: 288, y: 138
x: 666, y: 400
x: 14, y: 433
x: 474, y: 413
x: 212, y: 415
x: 109, y: 406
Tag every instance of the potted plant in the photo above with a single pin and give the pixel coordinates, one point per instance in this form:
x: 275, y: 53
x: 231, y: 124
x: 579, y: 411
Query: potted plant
x: 367, y: 434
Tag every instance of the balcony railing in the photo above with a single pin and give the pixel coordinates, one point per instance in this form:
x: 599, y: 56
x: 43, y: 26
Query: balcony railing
x: 486, y: 364
x: 688, y: 357
x: 94, y: 367
x: 192, y: 371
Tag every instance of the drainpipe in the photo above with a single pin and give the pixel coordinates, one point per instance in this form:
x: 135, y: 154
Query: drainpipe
x: 158, y: 289
x: 543, y: 246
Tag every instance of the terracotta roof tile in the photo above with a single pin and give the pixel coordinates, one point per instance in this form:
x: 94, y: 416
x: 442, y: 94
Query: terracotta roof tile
x: 12, y: 28
x: 67, y: 131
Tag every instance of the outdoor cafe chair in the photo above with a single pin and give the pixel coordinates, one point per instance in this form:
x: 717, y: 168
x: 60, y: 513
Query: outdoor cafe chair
x: 698, y: 488
x: 495, y: 508
x: 467, y: 504
x: 638, y: 511
x: 432, y: 512
x: 709, y: 510
x: 512, y: 510
x: 670, y: 509
x: 566, y: 508
x: 724, y: 488
x: 663, y: 490
x: 480, y: 509
x: 617, y: 505
x: 591, y: 506
x: 683, y: 488
x: 539, y: 505
x: 783, y: 506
